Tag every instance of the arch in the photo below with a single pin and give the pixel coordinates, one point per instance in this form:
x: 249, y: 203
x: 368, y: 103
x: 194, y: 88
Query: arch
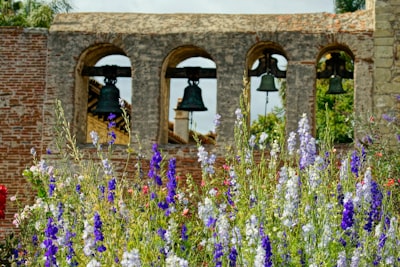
x: 257, y: 54
x: 88, y: 58
x: 339, y: 104
x: 172, y: 60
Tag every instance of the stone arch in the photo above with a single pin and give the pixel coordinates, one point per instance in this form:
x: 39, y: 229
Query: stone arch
x: 89, y: 57
x: 176, y: 56
x: 257, y: 52
x: 327, y: 51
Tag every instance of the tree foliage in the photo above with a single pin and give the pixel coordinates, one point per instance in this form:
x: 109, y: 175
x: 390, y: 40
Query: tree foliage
x: 343, y: 6
x: 31, y: 13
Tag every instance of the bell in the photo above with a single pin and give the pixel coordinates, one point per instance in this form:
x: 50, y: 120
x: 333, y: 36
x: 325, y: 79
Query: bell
x: 192, y: 100
x: 108, y: 99
x: 335, y: 86
x: 267, y: 83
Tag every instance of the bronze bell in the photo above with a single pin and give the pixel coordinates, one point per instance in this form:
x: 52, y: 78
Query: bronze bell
x: 267, y: 83
x: 335, y: 86
x: 108, y: 99
x: 192, y: 100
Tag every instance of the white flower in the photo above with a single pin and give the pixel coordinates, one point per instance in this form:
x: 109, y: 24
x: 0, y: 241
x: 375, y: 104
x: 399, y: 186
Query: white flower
x: 131, y: 259
x: 93, y: 263
x: 174, y: 261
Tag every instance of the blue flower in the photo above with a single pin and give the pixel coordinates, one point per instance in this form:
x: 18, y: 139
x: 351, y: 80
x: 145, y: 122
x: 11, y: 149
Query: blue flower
x: 98, y: 235
x: 171, y: 185
x: 348, y: 213
x: 218, y: 253
x: 155, y: 165
x: 233, y: 257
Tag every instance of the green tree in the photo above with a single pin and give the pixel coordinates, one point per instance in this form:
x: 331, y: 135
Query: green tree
x: 343, y: 6
x: 31, y: 13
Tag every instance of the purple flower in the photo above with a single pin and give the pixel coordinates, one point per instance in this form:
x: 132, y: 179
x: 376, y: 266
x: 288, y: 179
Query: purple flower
x: 184, y: 235
x: 375, y: 212
x: 355, y: 163
x: 98, y: 235
x: 266, y: 245
x: 102, y: 190
x: 171, y: 185
x: 348, y: 213
x: 232, y: 257
x: 161, y: 233
x: 218, y: 253
x: 307, y: 143
x: 388, y: 118
x: 155, y: 165
x: 60, y: 211
x: 111, y: 188
x: 211, y: 222
x: 70, y: 248
x: 78, y: 188
x: 51, y: 249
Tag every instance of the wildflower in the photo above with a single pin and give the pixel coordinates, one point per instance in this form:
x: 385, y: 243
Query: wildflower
x: 252, y: 140
x: 171, y: 185
x: 131, y: 259
x: 93, y: 263
x: 33, y: 151
x: 388, y: 118
x: 155, y: 165
x: 232, y: 257
x: 95, y: 137
x: 98, y: 235
x: 263, y: 253
x: 3, y: 199
x: 291, y: 204
x: 291, y: 143
x: 111, y: 189
x: 355, y: 163
x: 107, y: 167
x: 348, y: 212
x: 121, y: 102
x: 355, y: 259
x: 375, y: 212
x: 206, y: 210
x: 184, y: 235
x: 174, y: 261
x: 307, y: 143
x: 218, y: 253
x: 70, y: 248
x: 239, y: 115
x: 51, y: 248
x: 217, y: 121
x: 341, y: 262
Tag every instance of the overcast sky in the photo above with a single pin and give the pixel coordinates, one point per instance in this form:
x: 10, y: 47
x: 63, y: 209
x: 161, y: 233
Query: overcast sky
x: 202, y: 121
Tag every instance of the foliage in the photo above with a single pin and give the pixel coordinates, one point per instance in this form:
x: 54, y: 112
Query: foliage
x: 295, y: 206
x: 343, y: 6
x: 272, y: 124
x: 31, y: 13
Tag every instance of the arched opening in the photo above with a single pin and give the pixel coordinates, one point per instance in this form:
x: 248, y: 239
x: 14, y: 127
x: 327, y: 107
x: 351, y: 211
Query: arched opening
x: 189, y: 97
x: 97, y: 66
x: 267, y: 65
x: 335, y: 95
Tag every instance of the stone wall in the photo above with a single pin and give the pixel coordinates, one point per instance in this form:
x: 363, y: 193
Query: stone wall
x: 387, y: 52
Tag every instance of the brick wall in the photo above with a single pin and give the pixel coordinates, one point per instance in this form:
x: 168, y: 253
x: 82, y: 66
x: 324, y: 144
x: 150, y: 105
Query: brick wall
x: 23, y: 54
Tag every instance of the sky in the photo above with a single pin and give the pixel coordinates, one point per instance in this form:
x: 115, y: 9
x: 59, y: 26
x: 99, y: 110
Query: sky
x: 203, y: 121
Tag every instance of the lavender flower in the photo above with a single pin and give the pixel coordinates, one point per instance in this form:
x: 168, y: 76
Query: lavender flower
x: 217, y: 121
x: 348, y: 213
x: 292, y: 201
x: 307, y: 143
x: 107, y: 167
x: 155, y: 165
x: 70, y: 248
x: 291, y: 143
x: 266, y: 245
x: 88, y: 241
x: 341, y: 262
x: 375, y: 212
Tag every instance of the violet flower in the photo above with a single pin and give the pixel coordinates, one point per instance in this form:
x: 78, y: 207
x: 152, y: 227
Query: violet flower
x: 218, y: 253
x: 171, y: 185
x: 111, y: 189
x: 155, y: 165
x: 51, y: 249
x: 307, y: 148
x: 98, y: 235
x: 233, y: 257
x: 348, y: 213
